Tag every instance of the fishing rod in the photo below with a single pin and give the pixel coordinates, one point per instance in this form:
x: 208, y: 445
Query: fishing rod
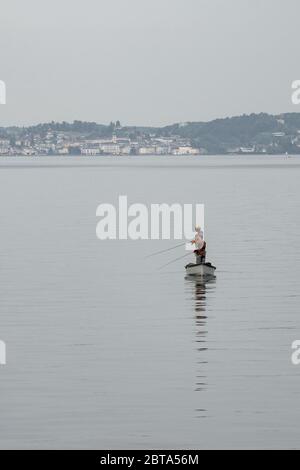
x: 177, y: 259
x: 164, y: 251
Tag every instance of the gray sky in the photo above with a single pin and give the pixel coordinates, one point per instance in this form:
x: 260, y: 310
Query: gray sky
x: 148, y: 62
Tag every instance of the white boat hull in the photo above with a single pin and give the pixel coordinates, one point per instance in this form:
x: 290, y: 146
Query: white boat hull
x: 204, y: 270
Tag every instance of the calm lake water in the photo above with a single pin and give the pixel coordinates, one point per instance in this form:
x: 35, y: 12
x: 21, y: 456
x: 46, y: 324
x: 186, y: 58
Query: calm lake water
x: 104, y: 350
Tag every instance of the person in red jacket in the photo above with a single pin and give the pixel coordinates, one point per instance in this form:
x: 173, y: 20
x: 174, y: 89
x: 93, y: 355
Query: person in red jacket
x: 200, y: 246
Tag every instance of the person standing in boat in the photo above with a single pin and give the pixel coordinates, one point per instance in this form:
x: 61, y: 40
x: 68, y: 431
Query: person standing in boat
x: 200, y: 246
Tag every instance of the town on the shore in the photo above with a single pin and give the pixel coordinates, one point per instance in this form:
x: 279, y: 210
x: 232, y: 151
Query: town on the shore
x: 62, y: 143
x: 91, y: 139
x: 247, y: 134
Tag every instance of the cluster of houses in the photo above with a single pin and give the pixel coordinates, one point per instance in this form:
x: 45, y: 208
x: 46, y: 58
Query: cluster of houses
x: 149, y: 146
x: 63, y: 144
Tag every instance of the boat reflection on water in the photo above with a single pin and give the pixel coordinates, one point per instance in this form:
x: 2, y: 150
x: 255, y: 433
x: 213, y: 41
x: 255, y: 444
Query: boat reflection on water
x: 200, y: 290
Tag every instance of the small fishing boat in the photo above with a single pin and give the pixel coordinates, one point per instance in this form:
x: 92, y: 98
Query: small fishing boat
x: 204, y: 269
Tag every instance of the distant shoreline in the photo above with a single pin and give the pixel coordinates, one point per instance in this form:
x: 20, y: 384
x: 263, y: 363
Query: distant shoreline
x: 254, y: 134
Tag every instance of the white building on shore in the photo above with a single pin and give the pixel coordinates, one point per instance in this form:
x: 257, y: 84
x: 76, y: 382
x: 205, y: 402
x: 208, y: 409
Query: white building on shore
x: 185, y: 150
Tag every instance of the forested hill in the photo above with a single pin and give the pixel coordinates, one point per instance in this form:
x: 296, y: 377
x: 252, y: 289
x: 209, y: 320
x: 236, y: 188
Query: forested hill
x: 274, y: 134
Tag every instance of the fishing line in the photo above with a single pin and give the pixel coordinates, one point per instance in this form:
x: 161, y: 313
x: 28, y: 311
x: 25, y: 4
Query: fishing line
x: 173, y: 261
x: 164, y: 251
